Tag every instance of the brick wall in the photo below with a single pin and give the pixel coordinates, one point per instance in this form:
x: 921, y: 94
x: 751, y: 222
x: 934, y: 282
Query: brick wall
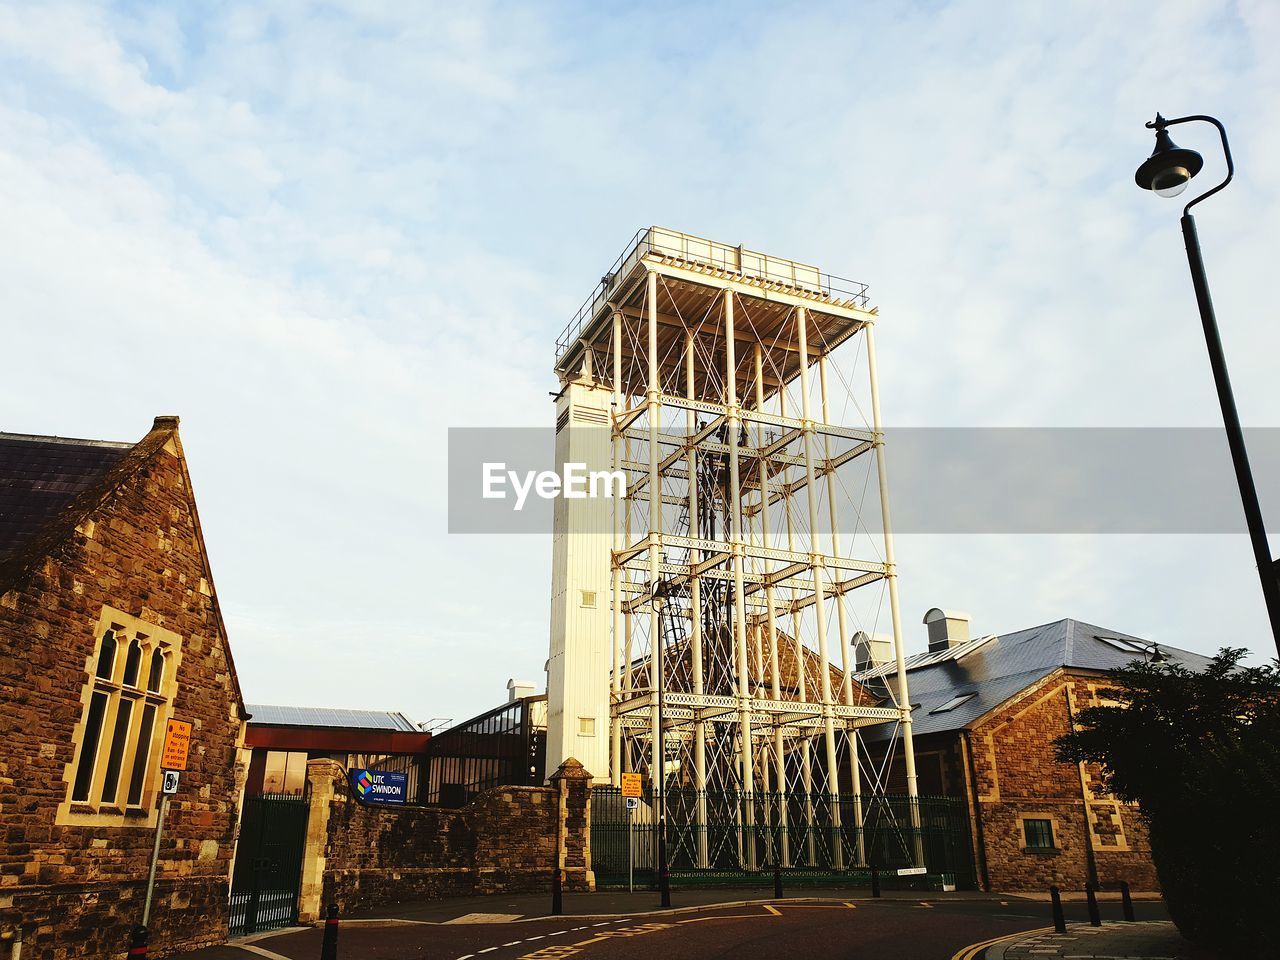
x: 504, y: 841
x: 77, y: 890
x: 1018, y: 777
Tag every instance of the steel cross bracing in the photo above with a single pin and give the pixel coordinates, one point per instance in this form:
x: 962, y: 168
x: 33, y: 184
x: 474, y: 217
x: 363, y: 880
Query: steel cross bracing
x: 730, y: 587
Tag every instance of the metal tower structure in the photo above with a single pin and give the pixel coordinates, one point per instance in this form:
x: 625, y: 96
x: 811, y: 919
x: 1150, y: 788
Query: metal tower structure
x: 709, y: 375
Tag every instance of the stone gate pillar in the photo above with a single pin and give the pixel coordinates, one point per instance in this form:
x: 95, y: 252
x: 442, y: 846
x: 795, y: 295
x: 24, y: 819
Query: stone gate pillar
x: 572, y: 783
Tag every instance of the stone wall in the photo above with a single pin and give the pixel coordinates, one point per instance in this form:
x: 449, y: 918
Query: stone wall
x: 77, y: 890
x: 1018, y: 777
x: 361, y: 855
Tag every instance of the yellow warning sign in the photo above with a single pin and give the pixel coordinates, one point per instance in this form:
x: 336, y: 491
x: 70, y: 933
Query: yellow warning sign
x: 632, y: 785
x: 177, y: 741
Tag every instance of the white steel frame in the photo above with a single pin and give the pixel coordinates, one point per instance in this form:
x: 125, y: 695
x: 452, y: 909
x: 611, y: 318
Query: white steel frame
x: 727, y: 558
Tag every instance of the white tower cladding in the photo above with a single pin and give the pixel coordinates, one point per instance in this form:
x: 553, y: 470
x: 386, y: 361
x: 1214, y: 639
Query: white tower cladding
x: 737, y: 568
x: 579, y: 665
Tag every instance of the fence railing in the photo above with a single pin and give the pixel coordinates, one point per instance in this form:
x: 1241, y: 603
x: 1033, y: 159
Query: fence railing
x: 733, y: 835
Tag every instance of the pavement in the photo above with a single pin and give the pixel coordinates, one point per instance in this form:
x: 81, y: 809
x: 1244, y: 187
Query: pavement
x: 1143, y: 939
x: 816, y: 924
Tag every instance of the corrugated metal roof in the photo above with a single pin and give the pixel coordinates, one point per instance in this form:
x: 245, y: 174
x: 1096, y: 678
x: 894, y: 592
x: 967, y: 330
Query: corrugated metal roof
x: 998, y: 668
x: 268, y: 715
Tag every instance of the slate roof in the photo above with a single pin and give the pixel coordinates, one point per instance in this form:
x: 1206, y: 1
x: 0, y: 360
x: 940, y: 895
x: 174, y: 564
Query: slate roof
x: 39, y: 478
x: 276, y: 716
x: 997, y: 668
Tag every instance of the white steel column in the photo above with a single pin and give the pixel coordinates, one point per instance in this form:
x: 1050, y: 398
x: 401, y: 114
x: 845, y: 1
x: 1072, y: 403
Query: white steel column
x: 819, y: 594
x: 733, y: 421
x: 619, y: 505
x: 891, y: 574
x: 657, y: 763
x: 771, y: 628
x: 695, y: 614
x: 802, y: 695
x: 846, y: 680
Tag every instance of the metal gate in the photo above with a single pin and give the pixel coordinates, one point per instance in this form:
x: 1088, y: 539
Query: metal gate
x: 268, y: 868
x: 740, y: 850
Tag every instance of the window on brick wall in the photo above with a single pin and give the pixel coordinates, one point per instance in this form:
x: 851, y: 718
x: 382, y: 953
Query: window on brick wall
x: 1038, y: 834
x: 130, y: 682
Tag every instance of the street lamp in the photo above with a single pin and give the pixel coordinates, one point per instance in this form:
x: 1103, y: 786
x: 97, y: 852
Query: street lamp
x: 1167, y: 172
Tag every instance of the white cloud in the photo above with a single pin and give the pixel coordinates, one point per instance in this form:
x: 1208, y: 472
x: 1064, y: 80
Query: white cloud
x: 325, y: 234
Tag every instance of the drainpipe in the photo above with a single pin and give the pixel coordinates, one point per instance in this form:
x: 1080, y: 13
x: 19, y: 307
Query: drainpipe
x: 966, y: 745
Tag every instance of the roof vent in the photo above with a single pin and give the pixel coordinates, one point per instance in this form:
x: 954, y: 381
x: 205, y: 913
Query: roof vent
x: 947, y: 628
x: 870, y: 652
x: 519, y: 689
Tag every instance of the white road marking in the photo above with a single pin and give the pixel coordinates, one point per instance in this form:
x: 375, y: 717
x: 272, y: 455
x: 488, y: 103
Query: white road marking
x: 260, y: 951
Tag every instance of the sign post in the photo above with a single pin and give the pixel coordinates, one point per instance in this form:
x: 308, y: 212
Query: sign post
x: 173, y: 758
x: 632, y: 790
x: 632, y: 803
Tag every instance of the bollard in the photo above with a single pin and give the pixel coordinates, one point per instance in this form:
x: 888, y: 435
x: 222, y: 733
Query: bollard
x: 777, y: 880
x: 138, y: 943
x: 664, y: 871
x: 329, y: 945
x: 1126, y: 900
x: 1095, y: 918
x: 557, y: 893
x: 875, y: 881
x: 1059, y: 918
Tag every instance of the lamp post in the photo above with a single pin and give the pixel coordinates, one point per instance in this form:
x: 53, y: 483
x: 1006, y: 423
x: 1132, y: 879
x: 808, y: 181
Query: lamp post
x: 1167, y: 172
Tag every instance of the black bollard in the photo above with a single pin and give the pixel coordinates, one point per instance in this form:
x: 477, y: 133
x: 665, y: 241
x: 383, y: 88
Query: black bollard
x: 138, y: 943
x: 1126, y: 900
x: 777, y: 880
x: 664, y: 871
x: 329, y: 945
x: 1095, y: 918
x: 557, y: 893
x: 875, y: 881
x: 1059, y: 918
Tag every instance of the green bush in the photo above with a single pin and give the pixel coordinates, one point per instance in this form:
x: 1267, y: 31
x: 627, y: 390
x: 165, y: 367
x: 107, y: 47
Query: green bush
x: 1199, y: 753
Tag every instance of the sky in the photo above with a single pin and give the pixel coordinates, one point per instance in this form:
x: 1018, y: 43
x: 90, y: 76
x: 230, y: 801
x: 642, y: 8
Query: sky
x: 323, y: 234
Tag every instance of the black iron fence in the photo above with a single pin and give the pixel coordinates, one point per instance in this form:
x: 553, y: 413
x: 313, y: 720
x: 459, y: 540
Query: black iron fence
x: 728, y: 838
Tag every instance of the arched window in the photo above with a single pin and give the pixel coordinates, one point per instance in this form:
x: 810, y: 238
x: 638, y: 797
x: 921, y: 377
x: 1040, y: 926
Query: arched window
x: 133, y: 663
x: 126, y: 705
x: 107, y: 656
x: 156, y: 676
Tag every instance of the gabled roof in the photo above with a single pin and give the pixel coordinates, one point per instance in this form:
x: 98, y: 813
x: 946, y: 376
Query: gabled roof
x: 40, y: 476
x: 51, y: 485
x: 277, y: 716
x: 997, y: 668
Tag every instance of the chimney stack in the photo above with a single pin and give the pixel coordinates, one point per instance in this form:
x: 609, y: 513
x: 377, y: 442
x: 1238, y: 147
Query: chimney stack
x: 947, y: 628
x: 870, y: 652
x: 519, y: 689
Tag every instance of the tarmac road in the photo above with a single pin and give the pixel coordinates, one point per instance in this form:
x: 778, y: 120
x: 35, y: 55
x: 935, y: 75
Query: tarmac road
x: 790, y: 930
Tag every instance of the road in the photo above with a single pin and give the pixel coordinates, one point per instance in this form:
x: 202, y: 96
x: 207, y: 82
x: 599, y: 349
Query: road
x: 883, y: 929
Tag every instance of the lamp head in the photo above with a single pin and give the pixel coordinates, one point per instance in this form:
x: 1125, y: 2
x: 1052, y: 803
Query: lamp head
x: 1170, y: 167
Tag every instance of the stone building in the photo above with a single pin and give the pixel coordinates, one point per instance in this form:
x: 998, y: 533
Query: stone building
x: 986, y: 712
x: 109, y: 627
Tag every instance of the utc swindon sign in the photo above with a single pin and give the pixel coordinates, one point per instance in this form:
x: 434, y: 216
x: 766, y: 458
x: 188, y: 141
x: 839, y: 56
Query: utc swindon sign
x: 379, y: 786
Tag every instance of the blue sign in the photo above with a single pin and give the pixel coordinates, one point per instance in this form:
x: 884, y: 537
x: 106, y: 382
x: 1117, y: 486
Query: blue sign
x: 379, y: 786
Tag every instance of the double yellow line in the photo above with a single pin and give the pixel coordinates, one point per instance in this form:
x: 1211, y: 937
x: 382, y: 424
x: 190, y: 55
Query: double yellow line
x: 975, y: 949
